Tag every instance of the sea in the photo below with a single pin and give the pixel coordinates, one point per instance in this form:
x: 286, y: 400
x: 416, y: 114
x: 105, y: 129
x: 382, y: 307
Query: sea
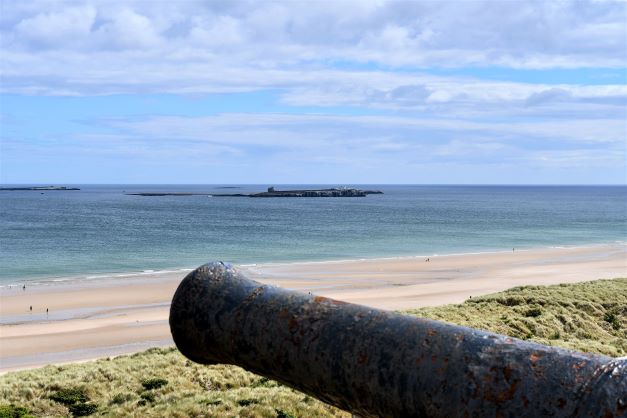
x: 100, y: 231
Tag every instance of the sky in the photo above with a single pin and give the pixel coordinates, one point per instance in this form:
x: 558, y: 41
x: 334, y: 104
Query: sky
x: 333, y: 92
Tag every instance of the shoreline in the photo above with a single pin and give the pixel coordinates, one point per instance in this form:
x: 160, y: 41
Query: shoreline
x: 148, y: 273
x: 98, y: 318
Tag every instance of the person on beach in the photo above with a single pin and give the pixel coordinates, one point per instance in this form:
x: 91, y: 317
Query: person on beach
x: 31, y: 308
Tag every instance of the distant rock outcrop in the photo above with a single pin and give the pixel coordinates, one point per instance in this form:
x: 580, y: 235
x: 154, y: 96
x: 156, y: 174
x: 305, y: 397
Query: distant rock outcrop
x: 315, y: 193
x: 343, y: 192
x: 38, y: 188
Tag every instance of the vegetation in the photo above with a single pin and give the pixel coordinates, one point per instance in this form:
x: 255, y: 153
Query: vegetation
x: 12, y: 411
x: 588, y: 316
x: 136, y: 385
x: 154, y: 383
x: 76, y: 400
x: 69, y: 396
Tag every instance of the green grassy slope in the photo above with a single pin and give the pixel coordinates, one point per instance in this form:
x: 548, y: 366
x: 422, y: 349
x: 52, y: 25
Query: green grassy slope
x: 589, y: 316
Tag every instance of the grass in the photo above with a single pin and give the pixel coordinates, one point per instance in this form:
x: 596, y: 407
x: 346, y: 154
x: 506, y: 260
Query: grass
x: 589, y: 316
x: 119, y: 388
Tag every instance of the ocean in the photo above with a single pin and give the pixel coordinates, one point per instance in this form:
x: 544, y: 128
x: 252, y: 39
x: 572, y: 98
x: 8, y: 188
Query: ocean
x: 100, y: 231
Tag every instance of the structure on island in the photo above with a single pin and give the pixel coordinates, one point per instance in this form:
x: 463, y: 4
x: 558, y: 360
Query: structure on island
x: 342, y: 192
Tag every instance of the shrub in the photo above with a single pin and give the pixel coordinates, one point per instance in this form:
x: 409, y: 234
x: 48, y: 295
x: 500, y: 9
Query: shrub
x: 154, y: 383
x: 533, y: 312
x: 262, y: 382
x: 246, y: 402
x: 612, y: 319
x: 147, y: 397
x: 13, y: 411
x: 69, y: 396
x: 76, y: 401
x: 555, y: 336
x: 120, y: 398
x: 210, y: 402
x: 511, y: 301
x: 282, y: 414
x: 82, y: 409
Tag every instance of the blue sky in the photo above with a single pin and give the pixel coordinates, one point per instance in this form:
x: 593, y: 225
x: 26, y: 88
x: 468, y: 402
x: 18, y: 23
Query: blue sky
x: 313, y: 92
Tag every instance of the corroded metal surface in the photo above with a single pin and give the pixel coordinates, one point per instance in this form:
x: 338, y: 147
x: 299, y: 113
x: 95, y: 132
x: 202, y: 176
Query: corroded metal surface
x: 378, y: 363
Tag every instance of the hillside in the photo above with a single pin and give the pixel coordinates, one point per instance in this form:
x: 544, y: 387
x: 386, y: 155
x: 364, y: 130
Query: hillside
x: 589, y: 316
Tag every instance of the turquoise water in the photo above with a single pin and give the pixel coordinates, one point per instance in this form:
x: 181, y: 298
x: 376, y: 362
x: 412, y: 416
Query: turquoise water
x: 100, y: 230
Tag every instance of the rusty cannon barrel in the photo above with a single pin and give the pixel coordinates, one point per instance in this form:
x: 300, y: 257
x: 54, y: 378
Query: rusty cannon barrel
x: 375, y: 363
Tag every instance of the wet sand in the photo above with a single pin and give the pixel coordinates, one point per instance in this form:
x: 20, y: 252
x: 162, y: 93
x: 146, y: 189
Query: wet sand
x: 98, y: 318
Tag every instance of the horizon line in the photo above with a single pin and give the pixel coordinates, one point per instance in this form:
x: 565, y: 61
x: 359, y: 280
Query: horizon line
x: 313, y: 183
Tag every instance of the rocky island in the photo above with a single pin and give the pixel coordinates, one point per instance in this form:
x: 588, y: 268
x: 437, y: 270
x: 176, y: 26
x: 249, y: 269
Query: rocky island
x: 272, y: 192
x: 38, y: 188
x: 342, y: 192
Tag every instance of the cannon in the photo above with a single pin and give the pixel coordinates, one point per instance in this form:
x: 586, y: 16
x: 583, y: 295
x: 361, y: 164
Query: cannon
x: 377, y: 363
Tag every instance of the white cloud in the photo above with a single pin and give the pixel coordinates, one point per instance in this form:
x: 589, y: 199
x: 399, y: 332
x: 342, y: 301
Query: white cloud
x: 462, y: 97
x: 103, y: 47
x: 221, y: 32
x: 378, y: 56
x: 50, y: 29
x: 126, y: 29
x: 368, y: 135
x: 346, y: 148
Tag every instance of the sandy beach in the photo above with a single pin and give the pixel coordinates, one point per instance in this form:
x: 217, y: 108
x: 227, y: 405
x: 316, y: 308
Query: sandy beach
x: 98, y: 318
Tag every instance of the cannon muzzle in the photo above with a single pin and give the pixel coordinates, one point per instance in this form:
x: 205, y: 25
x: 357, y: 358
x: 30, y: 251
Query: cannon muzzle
x: 376, y: 363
